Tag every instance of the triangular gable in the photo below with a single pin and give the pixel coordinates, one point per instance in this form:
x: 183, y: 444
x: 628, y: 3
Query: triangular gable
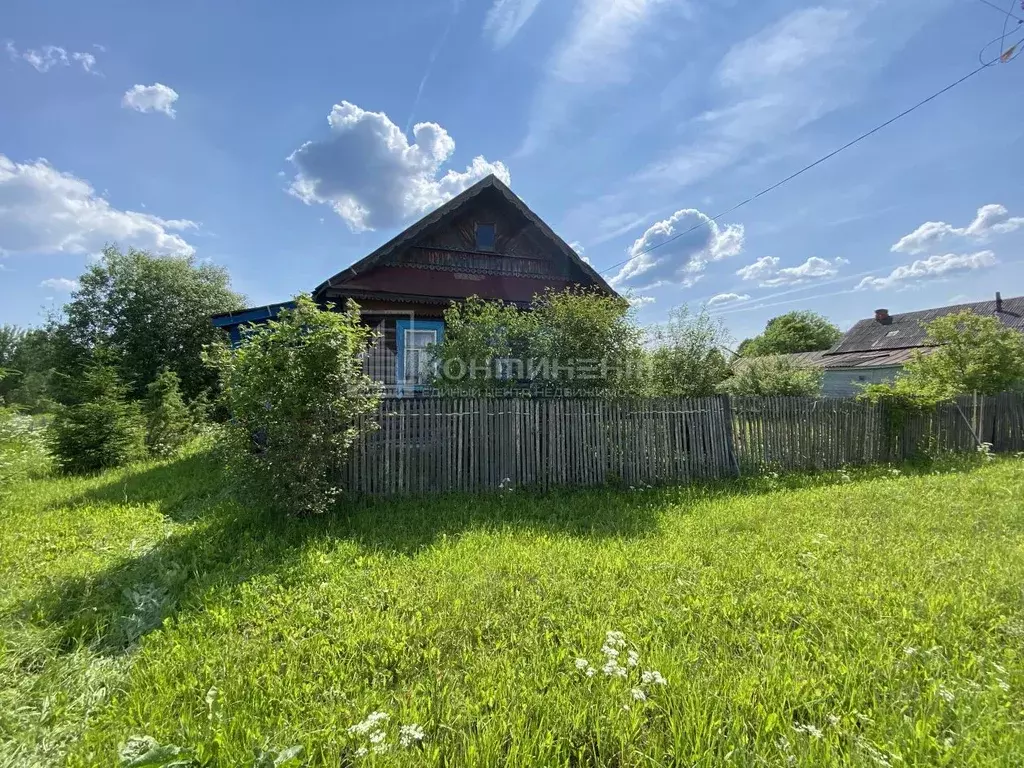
x: 443, y: 214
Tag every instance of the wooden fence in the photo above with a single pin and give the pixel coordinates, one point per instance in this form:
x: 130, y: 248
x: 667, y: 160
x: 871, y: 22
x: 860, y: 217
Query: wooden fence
x: 479, y: 444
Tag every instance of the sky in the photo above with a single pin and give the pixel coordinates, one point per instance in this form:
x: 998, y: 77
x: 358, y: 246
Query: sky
x: 284, y: 141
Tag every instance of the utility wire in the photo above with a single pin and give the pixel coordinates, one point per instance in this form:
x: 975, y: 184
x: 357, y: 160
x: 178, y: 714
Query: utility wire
x: 806, y: 168
x: 1002, y: 10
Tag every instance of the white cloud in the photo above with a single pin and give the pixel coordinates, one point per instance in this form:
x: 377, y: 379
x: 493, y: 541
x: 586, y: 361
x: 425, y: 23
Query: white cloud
x: 577, y: 246
x: 931, y: 268
x: 595, y: 54
x: 992, y: 219
x: 150, y: 98
x: 768, y: 86
x: 60, y: 284
x: 506, y: 18
x: 641, y: 301
x: 43, y: 210
x: 727, y: 298
x: 372, y: 177
x: 698, y: 241
x: 768, y: 274
x: 49, y: 56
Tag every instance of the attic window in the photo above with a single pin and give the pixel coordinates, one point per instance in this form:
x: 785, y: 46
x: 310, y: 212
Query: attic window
x: 893, y: 333
x: 484, y: 237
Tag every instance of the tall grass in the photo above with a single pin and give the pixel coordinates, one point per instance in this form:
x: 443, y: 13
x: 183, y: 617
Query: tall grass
x: 815, y: 620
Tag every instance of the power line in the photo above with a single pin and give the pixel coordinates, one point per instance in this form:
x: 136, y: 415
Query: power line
x: 1002, y: 10
x: 806, y: 168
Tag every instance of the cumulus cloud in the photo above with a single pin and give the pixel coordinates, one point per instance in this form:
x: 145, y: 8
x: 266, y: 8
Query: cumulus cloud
x: 45, y: 211
x: 577, y: 246
x: 727, y: 298
x: 931, y: 268
x: 49, y: 56
x: 150, y: 98
x: 641, y: 301
x: 698, y: 240
x: 60, y: 284
x: 372, y: 177
x: 506, y: 18
x: 992, y: 219
x: 768, y: 274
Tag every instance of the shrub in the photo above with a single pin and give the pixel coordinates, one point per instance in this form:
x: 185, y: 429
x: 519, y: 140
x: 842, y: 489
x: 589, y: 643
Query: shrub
x: 103, y: 429
x: 688, y: 359
x: 296, y: 391
x: 22, y: 447
x: 169, y: 422
x: 772, y: 376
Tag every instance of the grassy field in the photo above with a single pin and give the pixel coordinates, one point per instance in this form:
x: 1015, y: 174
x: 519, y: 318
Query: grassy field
x: 828, y: 620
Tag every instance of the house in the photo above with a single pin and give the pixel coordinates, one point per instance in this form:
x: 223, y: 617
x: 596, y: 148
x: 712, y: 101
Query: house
x: 875, y: 350
x: 483, y: 242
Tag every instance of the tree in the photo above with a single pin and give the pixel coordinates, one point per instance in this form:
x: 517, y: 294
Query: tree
x: 297, y: 396
x: 772, y: 376
x: 687, y: 360
x: 151, y: 312
x: 168, y: 420
x: 972, y: 354
x: 103, y: 429
x: 801, y: 331
x: 29, y: 356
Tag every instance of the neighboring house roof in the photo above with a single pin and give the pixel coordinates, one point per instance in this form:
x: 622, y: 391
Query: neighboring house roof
x: 424, y: 225
x: 906, y: 331
x: 806, y: 359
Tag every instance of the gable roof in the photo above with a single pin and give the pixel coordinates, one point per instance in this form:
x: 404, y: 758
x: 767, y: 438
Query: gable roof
x: 451, y: 207
x: 906, y: 330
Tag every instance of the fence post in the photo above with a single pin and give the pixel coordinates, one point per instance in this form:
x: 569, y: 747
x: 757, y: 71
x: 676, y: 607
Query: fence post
x: 730, y: 442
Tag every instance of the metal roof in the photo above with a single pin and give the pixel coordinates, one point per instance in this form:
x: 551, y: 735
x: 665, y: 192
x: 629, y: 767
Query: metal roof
x: 906, y: 330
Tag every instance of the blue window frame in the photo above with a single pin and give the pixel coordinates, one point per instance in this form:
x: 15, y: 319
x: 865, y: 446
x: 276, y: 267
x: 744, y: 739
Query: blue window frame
x: 412, y: 367
x: 485, y: 234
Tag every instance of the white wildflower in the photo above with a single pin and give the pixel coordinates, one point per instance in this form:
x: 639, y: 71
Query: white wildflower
x: 362, y: 752
x: 377, y: 737
x: 1004, y: 685
x: 910, y: 650
x: 948, y: 742
x: 638, y: 694
x: 609, y: 651
x: 653, y: 677
x: 369, y: 724
x: 380, y: 749
x: 946, y: 695
x: 633, y: 660
x: 612, y: 669
x: 590, y: 671
x: 410, y: 734
x: 811, y: 730
x: 582, y: 664
x: 615, y: 639
x: 833, y: 720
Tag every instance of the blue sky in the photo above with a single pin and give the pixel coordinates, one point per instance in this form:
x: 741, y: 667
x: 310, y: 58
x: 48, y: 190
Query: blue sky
x: 284, y: 141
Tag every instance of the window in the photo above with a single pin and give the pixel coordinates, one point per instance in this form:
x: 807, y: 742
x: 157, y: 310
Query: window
x: 417, y: 358
x: 485, y: 237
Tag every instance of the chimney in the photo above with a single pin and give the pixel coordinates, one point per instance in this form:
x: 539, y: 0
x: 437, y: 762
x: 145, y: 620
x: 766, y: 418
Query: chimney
x: 882, y: 316
x: 999, y: 302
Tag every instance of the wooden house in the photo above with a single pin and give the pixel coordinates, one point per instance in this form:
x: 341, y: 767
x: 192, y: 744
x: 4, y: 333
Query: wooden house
x: 483, y: 242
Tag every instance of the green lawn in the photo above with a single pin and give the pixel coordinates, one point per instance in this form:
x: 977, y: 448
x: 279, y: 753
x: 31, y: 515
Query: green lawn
x: 877, y: 620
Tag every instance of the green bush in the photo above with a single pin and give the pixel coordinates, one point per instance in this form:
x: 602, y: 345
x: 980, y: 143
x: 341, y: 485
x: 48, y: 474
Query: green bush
x: 22, y: 448
x: 103, y: 429
x: 772, y: 376
x: 296, y: 390
x: 169, y: 421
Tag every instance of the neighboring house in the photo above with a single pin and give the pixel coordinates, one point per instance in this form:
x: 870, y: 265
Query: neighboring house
x: 483, y: 242
x: 875, y: 350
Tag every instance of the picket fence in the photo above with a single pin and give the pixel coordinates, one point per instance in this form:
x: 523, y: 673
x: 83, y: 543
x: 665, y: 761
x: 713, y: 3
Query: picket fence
x: 429, y: 445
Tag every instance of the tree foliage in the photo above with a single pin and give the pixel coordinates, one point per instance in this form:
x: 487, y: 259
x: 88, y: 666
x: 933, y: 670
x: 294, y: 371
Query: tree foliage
x: 295, y: 390
x: 971, y: 354
x: 687, y: 360
x: 574, y: 339
x: 800, y: 331
x: 773, y: 376
x: 102, y: 429
x: 168, y: 419
x: 151, y: 312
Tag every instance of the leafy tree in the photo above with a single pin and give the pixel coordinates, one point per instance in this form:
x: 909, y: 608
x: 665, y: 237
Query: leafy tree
x: 578, y: 339
x: 772, y: 376
x: 103, y: 429
x: 168, y: 419
x: 688, y: 359
x: 152, y: 312
x: 297, y: 396
x: 800, y: 331
x: 972, y: 354
x: 31, y: 359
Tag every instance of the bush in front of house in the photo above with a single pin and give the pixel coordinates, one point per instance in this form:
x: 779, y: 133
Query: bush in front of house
x: 169, y: 421
x: 102, y: 429
x: 298, y: 399
x: 771, y: 377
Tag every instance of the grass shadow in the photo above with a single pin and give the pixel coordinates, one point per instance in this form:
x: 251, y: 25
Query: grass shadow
x: 223, y: 543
